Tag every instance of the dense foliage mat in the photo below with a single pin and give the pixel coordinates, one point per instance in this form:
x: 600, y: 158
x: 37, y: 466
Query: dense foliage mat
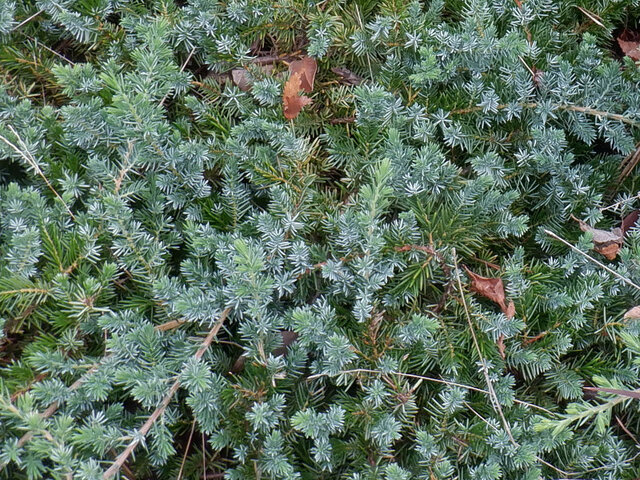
x: 319, y: 239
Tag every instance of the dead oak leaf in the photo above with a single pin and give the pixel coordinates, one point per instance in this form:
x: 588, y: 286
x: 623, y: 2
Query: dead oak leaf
x: 629, y: 221
x: 307, y: 68
x: 293, y: 103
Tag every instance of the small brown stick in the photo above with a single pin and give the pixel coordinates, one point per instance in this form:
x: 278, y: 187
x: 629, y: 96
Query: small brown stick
x: 338, y: 121
x: 117, y: 464
x: 51, y: 409
x: 530, y: 340
x: 186, y: 450
x: 628, y: 164
x: 571, y: 108
x: 170, y: 325
x: 26, y: 20
x: 626, y: 430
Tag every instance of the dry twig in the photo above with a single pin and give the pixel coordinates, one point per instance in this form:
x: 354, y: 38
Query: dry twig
x: 117, y: 464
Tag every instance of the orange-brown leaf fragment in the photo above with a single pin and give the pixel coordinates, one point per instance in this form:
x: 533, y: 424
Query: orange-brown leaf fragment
x: 511, y: 310
x: 292, y: 102
x: 609, y: 251
x: 307, y: 68
x: 630, y: 44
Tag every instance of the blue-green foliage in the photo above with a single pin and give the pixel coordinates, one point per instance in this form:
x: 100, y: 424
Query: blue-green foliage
x: 144, y: 192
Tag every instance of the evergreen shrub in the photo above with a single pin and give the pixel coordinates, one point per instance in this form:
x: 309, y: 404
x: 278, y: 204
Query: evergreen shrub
x: 391, y: 285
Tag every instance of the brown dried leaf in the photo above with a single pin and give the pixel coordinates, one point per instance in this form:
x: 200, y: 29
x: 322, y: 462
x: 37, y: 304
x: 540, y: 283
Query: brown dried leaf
x: 630, y: 44
x: 307, y: 68
x: 293, y: 103
x: 511, y: 310
x: 347, y: 77
x: 491, y: 288
x: 242, y: 79
x: 629, y: 221
x: 288, y: 337
x: 609, y: 251
x: 633, y: 313
x: 606, y: 243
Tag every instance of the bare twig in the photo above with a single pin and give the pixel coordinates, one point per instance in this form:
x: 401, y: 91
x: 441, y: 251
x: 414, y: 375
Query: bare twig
x: 429, y: 379
x: 628, y: 164
x: 492, y: 394
x: 572, y: 108
x: 626, y: 430
x: 26, y: 20
x: 26, y: 155
x: 117, y: 464
x: 186, y: 450
x: 42, y: 45
x: 592, y: 16
x: 184, y: 65
x: 170, y: 325
x: 619, y: 204
x: 269, y: 59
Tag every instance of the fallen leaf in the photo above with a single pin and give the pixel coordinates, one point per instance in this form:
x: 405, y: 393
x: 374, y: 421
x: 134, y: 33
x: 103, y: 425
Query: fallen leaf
x: 609, y: 251
x: 242, y: 79
x: 293, y: 103
x: 307, y: 68
x: 347, y: 77
x: 493, y: 289
x: 605, y: 242
x: 629, y: 44
x: 629, y: 221
x: 633, y: 313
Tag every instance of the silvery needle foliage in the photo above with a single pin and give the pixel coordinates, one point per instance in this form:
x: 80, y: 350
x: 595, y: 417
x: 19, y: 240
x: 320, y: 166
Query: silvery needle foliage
x: 145, y: 197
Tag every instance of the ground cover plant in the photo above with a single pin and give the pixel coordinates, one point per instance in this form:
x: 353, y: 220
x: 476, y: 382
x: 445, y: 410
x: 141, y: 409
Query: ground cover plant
x: 371, y: 239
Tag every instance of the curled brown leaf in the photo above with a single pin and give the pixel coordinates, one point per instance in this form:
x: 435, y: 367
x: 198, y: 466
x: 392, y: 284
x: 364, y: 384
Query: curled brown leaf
x: 493, y: 289
x: 293, y: 103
